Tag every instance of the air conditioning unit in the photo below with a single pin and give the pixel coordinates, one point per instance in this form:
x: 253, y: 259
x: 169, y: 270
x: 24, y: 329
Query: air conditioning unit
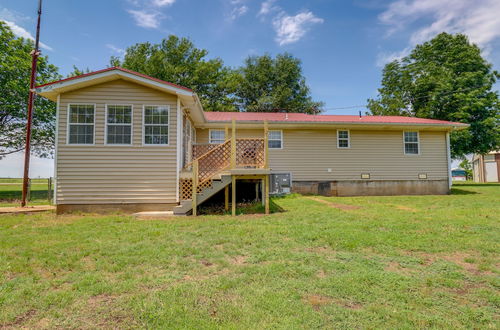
x: 280, y: 183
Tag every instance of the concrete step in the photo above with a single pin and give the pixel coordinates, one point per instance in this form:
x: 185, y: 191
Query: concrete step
x: 153, y: 214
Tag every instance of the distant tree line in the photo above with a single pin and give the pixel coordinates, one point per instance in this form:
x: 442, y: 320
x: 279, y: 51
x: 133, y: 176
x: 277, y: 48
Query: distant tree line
x: 445, y: 78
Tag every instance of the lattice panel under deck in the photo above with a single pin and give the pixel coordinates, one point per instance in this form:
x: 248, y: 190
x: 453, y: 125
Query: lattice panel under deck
x: 186, y: 188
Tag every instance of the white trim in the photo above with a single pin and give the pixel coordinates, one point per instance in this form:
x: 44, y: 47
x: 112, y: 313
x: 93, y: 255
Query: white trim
x: 144, y: 125
x: 448, y: 156
x: 179, y: 142
x: 68, y: 123
x: 281, y: 138
x: 54, y: 194
x: 131, y: 125
x: 343, y: 139
x: 418, y: 143
x: 210, y: 135
x: 131, y: 76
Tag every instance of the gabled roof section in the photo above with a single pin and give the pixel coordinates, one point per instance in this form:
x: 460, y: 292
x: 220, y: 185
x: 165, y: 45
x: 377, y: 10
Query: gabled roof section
x: 280, y: 117
x: 51, y: 90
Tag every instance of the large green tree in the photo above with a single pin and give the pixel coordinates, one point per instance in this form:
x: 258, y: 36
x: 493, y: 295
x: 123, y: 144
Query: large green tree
x: 263, y: 83
x: 15, y: 65
x: 445, y: 78
x: 266, y: 84
x: 177, y: 60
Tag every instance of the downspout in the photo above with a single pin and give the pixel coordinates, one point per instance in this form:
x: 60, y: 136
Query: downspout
x: 54, y: 194
x: 448, y: 156
x: 179, y: 147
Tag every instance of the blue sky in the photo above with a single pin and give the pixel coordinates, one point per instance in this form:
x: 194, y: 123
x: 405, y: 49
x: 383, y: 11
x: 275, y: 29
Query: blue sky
x: 342, y: 44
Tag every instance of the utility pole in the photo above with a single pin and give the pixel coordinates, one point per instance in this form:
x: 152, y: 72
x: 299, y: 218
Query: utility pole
x: 27, y: 152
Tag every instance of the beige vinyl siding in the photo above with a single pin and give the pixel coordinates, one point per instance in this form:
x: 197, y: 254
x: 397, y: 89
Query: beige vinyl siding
x: 104, y: 174
x: 308, y: 154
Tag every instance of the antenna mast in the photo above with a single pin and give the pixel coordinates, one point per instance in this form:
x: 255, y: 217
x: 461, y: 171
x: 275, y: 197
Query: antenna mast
x: 27, y: 152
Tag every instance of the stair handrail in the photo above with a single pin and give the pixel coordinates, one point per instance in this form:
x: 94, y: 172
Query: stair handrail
x: 206, y: 153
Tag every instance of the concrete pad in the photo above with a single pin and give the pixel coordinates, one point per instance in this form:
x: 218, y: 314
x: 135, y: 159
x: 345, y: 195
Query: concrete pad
x: 27, y: 209
x: 152, y: 215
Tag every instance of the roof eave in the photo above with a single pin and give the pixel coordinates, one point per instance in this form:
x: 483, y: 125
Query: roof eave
x: 451, y: 126
x: 51, y: 90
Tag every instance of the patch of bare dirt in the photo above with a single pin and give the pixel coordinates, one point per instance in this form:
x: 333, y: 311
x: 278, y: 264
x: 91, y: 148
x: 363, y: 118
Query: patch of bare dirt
x: 321, y: 250
x: 19, y: 320
x: 395, y: 267
x: 239, y: 260
x: 405, y: 208
x: 102, y: 312
x: 316, y: 301
x: 343, y: 207
x: 321, y: 274
x: 100, y: 300
x: 350, y: 304
x: 206, y: 263
x: 458, y: 258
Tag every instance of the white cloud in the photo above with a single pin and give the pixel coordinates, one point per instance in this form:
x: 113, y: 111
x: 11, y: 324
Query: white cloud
x: 116, y: 50
x: 162, y: 3
x: 479, y: 19
x: 146, y: 19
x: 290, y: 29
x: 237, y: 8
x: 237, y: 12
x: 384, y: 58
x: 12, y: 20
x: 21, y: 32
x: 267, y: 7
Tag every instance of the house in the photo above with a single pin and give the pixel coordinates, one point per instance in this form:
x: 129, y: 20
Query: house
x: 127, y: 141
x: 486, y: 168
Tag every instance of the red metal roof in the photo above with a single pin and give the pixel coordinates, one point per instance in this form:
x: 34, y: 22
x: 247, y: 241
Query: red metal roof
x: 301, y: 117
x: 119, y: 69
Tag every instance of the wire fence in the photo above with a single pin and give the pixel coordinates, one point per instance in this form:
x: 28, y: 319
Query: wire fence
x: 39, y: 190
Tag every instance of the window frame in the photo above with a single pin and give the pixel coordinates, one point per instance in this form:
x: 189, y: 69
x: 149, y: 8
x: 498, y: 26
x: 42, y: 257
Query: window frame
x: 281, y: 139
x: 68, y: 123
x: 131, y: 125
x: 418, y: 143
x: 348, y: 138
x: 210, y: 141
x: 144, y: 125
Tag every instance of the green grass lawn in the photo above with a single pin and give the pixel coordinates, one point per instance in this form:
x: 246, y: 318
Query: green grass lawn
x: 11, y: 192
x: 361, y: 262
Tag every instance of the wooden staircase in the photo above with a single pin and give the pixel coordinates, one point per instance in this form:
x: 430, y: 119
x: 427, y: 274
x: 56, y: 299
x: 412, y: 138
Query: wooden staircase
x: 186, y: 206
x: 216, y: 166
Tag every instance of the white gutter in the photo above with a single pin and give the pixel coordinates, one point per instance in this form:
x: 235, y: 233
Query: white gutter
x: 336, y: 123
x: 448, y: 157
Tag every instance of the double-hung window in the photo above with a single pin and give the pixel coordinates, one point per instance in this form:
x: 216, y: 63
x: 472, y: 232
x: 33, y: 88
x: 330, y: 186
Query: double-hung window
x: 119, y: 124
x: 217, y: 136
x: 81, y: 120
x: 411, y: 142
x: 156, y: 120
x: 343, y: 139
x: 275, y: 139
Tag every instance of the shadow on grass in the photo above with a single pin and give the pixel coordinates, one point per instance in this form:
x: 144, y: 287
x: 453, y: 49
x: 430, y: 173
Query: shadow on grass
x: 456, y: 191
x: 491, y: 184
x: 253, y: 207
